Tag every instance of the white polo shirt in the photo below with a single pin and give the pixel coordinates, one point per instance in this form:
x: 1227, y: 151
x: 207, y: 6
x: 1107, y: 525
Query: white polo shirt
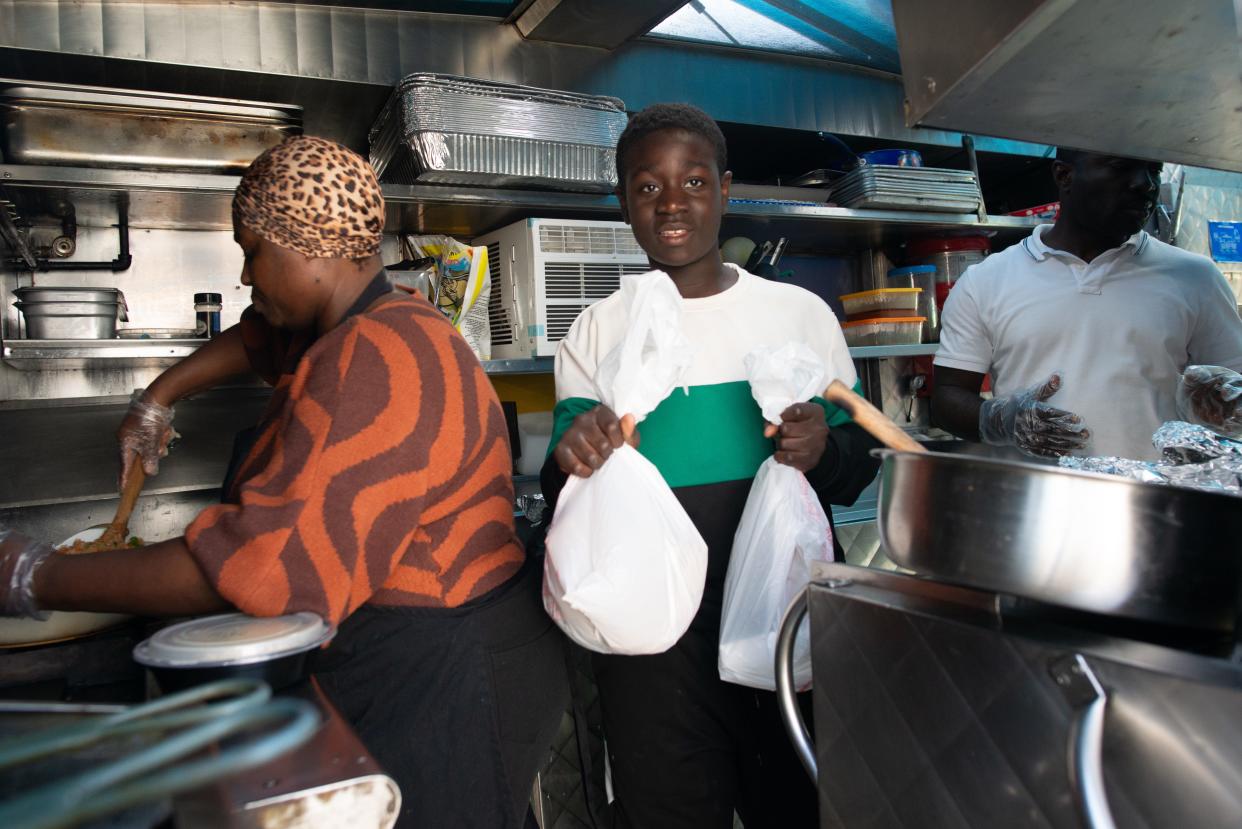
x: 1120, y: 329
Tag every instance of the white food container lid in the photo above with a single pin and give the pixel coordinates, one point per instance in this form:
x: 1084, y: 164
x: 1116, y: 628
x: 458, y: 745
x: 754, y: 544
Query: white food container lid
x: 232, y: 639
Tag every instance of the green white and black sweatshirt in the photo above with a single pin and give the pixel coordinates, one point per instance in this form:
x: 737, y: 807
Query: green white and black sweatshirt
x: 707, y: 439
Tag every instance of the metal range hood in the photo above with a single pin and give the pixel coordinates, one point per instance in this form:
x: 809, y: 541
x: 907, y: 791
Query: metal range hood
x: 604, y: 24
x: 1154, y: 80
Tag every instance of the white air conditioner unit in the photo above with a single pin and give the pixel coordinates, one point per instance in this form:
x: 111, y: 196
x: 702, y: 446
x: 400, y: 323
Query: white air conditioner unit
x: 545, y: 272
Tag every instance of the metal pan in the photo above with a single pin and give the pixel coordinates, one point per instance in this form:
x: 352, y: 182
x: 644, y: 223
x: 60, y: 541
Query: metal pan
x: 1091, y: 542
x: 59, y: 625
x: 46, y: 123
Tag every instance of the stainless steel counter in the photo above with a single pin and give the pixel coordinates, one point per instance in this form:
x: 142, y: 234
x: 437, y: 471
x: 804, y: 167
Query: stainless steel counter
x: 940, y: 706
x: 69, y: 453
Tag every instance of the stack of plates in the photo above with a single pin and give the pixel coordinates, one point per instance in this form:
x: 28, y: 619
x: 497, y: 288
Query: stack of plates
x: 909, y: 188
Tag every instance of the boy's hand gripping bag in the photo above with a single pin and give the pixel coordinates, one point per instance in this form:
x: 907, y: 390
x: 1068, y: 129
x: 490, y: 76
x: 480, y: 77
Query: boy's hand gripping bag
x: 783, y: 531
x: 625, y: 566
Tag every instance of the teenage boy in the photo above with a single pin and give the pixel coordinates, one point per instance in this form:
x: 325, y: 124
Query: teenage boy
x: 685, y: 748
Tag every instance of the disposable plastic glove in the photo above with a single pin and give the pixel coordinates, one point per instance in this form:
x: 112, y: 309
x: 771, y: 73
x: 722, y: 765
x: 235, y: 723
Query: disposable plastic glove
x: 20, y: 556
x: 1211, y: 396
x: 145, y: 433
x: 1023, y: 419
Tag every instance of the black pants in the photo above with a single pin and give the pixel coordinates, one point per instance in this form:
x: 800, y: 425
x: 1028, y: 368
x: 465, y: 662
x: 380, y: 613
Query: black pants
x: 687, y: 749
x: 459, y: 706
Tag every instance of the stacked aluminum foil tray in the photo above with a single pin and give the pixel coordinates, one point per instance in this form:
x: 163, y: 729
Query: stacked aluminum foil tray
x: 884, y: 187
x: 445, y: 129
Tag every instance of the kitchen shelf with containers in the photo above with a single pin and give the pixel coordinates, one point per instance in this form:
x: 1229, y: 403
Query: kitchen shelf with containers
x: 889, y: 322
x: 201, y: 201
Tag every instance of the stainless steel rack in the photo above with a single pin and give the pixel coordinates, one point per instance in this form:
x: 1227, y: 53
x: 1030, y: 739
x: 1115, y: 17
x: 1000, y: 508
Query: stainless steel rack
x: 196, y: 201
x: 35, y: 355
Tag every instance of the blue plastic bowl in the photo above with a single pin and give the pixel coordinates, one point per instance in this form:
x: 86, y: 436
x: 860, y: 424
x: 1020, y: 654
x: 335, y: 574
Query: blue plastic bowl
x: 895, y: 158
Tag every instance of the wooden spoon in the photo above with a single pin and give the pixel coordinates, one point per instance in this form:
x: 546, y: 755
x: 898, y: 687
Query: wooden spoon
x: 118, y: 530
x: 870, y: 418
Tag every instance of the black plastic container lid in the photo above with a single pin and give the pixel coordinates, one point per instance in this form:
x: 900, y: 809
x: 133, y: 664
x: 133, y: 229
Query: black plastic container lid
x: 232, y: 639
x: 207, y: 298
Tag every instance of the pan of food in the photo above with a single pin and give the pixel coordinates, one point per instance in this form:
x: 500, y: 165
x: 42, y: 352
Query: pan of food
x: 1098, y: 543
x: 62, y: 625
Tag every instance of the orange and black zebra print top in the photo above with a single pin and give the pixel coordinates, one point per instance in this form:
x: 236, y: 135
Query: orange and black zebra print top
x: 381, y: 473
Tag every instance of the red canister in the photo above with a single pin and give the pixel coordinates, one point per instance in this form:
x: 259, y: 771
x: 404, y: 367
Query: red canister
x: 951, y: 255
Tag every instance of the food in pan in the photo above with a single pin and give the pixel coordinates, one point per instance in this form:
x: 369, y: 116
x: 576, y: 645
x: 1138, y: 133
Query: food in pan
x: 104, y: 542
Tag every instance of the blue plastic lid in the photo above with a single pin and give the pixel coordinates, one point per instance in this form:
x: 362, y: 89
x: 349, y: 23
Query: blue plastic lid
x: 906, y: 271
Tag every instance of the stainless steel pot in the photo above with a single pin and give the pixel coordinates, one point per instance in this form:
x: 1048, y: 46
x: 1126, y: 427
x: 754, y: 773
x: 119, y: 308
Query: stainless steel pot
x: 1090, y: 542
x: 70, y: 313
x: 68, y: 293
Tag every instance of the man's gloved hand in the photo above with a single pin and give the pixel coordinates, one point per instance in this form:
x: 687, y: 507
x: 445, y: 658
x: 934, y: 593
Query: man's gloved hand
x: 1023, y: 419
x: 144, y: 435
x: 19, y: 558
x: 1211, y: 396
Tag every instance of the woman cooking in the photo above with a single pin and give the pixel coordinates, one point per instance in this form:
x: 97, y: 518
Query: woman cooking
x: 377, y: 494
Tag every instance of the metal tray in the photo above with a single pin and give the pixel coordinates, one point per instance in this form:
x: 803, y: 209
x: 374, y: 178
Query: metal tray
x: 86, y: 126
x: 911, y: 173
x: 932, y: 204
x: 447, y: 129
x: 157, y: 333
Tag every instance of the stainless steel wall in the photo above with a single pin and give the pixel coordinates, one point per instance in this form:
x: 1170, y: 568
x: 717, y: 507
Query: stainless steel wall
x: 285, y: 51
x: 169, y: 267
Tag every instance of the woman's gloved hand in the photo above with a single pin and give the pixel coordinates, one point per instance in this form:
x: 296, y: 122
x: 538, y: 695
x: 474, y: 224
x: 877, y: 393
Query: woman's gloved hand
x: 1023, y: 419
x: 19, y: 558
x: 1211, y: 396
x: 144, y: 435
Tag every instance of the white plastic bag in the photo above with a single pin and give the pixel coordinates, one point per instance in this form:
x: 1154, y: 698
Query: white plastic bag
x: 782, y: 532
x: 625, y: 566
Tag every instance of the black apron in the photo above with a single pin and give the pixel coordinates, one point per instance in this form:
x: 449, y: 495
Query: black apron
x: 458, y: 705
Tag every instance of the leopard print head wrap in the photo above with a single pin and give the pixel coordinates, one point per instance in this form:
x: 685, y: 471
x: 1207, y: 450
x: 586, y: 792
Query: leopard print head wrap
x: 313, y: 196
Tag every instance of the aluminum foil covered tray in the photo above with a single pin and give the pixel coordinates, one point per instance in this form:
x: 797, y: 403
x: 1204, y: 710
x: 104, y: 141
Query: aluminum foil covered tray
x: 88, y: 126
x: 1192, y: 456
x: 445, y: 129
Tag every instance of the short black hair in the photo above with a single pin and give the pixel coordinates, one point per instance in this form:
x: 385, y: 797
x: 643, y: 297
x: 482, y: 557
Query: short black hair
x: 670, y: 117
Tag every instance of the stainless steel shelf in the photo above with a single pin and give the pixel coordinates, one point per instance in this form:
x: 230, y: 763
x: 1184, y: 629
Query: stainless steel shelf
x: 880, y: 352
x: 534, y: 365
x: 35, y: 355
x: 197, y: 201
x: 543, y: 365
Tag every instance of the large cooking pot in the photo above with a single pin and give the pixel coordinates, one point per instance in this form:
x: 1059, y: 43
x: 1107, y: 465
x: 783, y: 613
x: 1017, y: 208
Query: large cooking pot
x: 1091, y: 542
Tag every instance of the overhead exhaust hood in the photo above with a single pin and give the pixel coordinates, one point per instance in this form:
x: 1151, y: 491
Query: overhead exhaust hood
x: 1154, y: 80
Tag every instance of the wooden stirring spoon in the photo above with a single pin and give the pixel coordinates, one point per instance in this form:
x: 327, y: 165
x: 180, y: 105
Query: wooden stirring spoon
x: 118, y: 531
x: 870, y: 418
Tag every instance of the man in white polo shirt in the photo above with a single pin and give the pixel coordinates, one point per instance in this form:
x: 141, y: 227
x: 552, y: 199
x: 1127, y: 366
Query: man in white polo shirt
x: 1087, y: 326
